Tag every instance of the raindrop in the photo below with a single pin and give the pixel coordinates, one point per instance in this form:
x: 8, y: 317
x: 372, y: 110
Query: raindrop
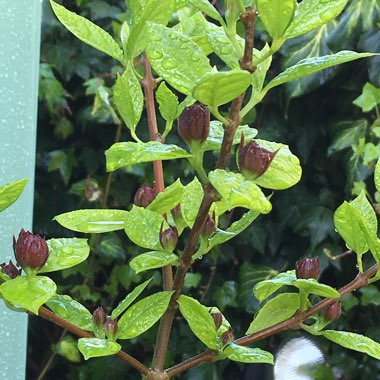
x: 168, y: 63
x: 155, y: 54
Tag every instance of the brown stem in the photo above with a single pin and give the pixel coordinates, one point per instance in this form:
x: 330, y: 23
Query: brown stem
x: 210, y: 196
x: 149, y: 84
x: 50, y: 316
x: 292, y: 322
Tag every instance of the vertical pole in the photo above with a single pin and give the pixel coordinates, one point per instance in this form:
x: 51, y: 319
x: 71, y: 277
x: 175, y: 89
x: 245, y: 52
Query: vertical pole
x: 20, y: 22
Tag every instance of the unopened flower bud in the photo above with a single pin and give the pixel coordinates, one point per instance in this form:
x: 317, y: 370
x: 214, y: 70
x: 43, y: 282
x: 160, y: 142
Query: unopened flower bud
x: 31, y: 251
x: 110, y: 328
x: 254, y: 160
x: 209, y: 227
x: 227, y: 337
x: 144, y: 196
x: 194, y: 124
x: 168, y: 238
x: 308, y: 268
x: 99, y: 317
x: 218, y: 319
x: 332, y: 312
x: 10, y: 270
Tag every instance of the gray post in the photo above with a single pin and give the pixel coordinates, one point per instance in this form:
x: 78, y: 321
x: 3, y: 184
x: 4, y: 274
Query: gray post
x: 20, y: 22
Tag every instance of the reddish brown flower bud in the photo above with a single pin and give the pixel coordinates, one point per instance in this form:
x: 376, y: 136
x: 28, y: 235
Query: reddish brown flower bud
x: 99, y: 317
x: 194, y: 124
x: 10, y: 270
x: 31, y: 251
x: 168, y: 238
x: 332, y: 312
x: 254, y: 160
x: 144, y: 196
x: 218, y: 319
x: 227, y: 337
x: 308, y: 268
x: 209, y: 227
x: 110, y: 328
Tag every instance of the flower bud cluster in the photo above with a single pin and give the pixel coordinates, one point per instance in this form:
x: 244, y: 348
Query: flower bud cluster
x: 104, y: 323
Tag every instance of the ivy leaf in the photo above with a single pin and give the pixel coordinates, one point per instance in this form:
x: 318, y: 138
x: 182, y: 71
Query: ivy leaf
x: 65, y: 253
x: 276, y: 310
x: 123, y: 305
x: 141, y: 316
x: 10, y: 192
x: 247, y: 354
x: 129, y: 153
x: 153, y: 260
x: 311, y: 14
x: 176, y: 58
x: 239, y: 192
x: 129, y: 98
x: 28, y: 292
x: 167, y: 102
x: 191, y: 200
x: 143, y: 227
x: 94, y: 347
x: 88, y: 32
x: 354, y: 342
x: 200, y: 321
x: 93, y: 221
x: 276, y: 15
x: 71, y: 311
x: 369, y: 98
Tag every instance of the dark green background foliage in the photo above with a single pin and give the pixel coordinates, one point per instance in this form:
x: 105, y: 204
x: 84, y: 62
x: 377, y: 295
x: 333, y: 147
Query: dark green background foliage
x: 336, y: 141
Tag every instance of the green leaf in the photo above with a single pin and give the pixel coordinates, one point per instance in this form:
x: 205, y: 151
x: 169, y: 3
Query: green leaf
x: 354, y: 342
x: 93, y: 221
x: 239, y: 192
x: 157, y: 11
x: 247, y: 354
x: 200, y: 321
x: 123, y: 305
x: 208, y: 9
x: 143, y: 315
x: 191, y: 200
x: 284, y: 171
x: 10, y: 192
x: 311, y: 14
x: 71, y: 311
x: 377, y: 176
x: 276, y: 15
x: 276, y: 310
x: 94, y: 347
x: 366, y: 210
x: 167, y: 199
x: 129, y: 153
x: 143, y: 227
x: 153, y: 260
x: 215, y: 137
x: 258, y: 76
x: 167, y: 102
x: 28, y: 292
x: 369, y: 98
x: 68, y: 348
x: 65, y: 253
x: 216, y: 88
x: 88, y: 32
x: 176, y: 58
x: 129, y: 98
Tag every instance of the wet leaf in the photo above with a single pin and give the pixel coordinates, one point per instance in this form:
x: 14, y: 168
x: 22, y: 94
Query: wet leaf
x: 369, y: 98
x: 167, y: 102
x: 10, y: 192
x: 153, y: 260
x: 94, y: 347
x: 247, y: 354
x: 191, y: 200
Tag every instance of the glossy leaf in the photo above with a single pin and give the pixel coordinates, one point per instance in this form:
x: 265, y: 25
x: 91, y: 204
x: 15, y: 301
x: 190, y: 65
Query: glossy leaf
x: 247, y: 354
x: 94, y: 347
x: 93, y: 221
x: 215, y: 137
x: 167, y: 199
x: 366, y: 210
x: 71, y: 311
x: 354, y: 342
x: 216, y: 88
x: 206, y: 7
x: 284, y: 171
x: 239, y: 192
x: 129, y: 98
x: 141, y: 316
x: 200, y: 321
x: 176, y: 58
x: 377, y: 176
x: 276, y: 15
x: 143, y: 227
x: 167, y: 102
x: 88, y: 32
x: 129, y: 153
x: 153, y: 260
x: 191, y: 200
x: 311, y: 14
x: 123, y: 305
x: 28, y: 292
x: 259, y: 75
x: 369, y: 98
x: 65, y: 253
x: 10, y: 192
x: 276, y: 310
